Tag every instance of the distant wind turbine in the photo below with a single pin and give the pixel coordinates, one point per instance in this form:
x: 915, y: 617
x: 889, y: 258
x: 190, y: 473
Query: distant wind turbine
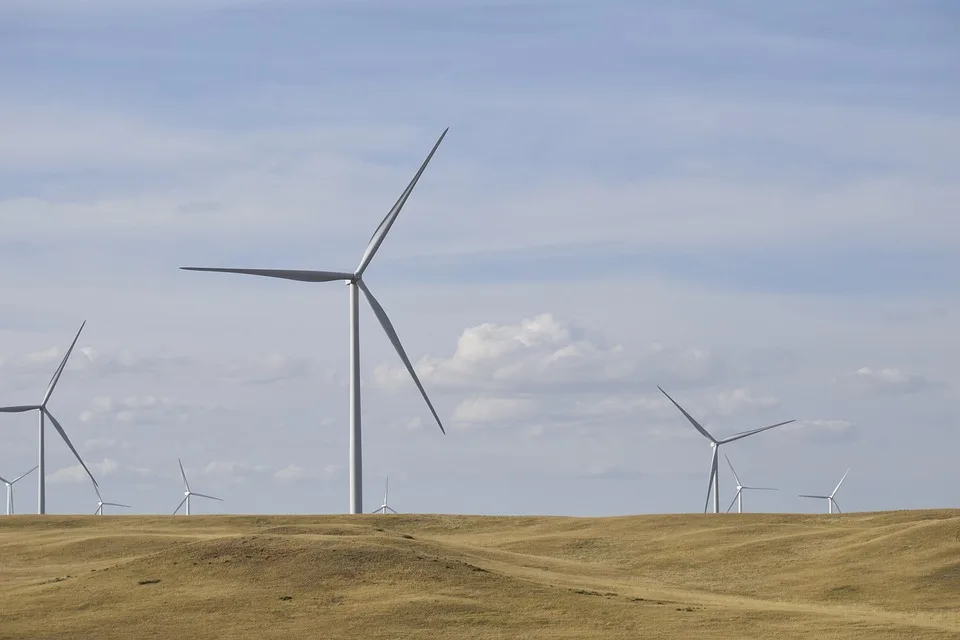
x: 356, y: 285
x: 713, y: 484
x: 740, y: 487
x: 385, y: 507
x: 101, y: 503
x: 10, y: 484
x: 187, y: 493
x: 43, y: 411
x: 831, y: 503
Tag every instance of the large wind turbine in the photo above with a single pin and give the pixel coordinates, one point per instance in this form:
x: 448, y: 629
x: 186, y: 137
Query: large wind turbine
x: 356, y: 284
x: 10, y: 484
x: 740, y: 487
x: 831, y: 503
x: 713, y: 484
x: 187, y: 493
x: 101, y: 503
x: 385, y: 507
x: 43, y: 411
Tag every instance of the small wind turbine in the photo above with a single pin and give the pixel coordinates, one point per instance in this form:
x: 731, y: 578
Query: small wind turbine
x: 713, y: 484
x: 385, y: 507
x: 356, y: 285
x: 740, y: 487
x: 43, y: 411
x: 101, y: 503
x: 187, y: 493
x: 831, y: 503
x: 10, y: 484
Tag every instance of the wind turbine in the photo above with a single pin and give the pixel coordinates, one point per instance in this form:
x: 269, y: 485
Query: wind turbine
x: 43, y: 411
x: 740, y: 487
x: 101, y: 503
x: 713, y: 484
x: 385, y: 507
x: 356, y: 284
x: 187, y: 493
x: 831, y: 503
x: 10, y: 484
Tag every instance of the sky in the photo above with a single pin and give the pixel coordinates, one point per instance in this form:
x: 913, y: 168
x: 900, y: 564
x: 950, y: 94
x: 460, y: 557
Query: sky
x: 750, y: 204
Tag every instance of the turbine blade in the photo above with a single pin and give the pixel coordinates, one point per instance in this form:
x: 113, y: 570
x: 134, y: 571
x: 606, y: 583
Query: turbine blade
x: 836, y: 505
x: 183, y: 475
x: 839, y: 483
x: 97, y: 512
x: 689, y: 417
x: 203, y: 495
x: 179, y: 505
x: 63, y: 363
x: 734, y: 501
x: 713, y: 472
x: 99, y: 497
x: 285, y: 274
x: 5, y: 481
x: 730, y: 464
x: 804, y: 495
x: 63, y: 434
x: 384, y: 228
x: 20, y: 409
x: 23, y: 475
x: 744, y: 434
x: 117, y: 504
x: 395, y: 339
x: 761, y: 488
x: 391, y: 509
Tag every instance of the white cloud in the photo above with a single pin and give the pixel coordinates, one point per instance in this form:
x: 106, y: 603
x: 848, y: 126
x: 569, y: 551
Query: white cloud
x: 732, y: 401
x: 76, y: 474
x: 888, y: 381
x: 145, y: 409
x: 270, y: 369
x: 823, y: 430
x: 232, y: 471
x: 95, y: 444
x: 542, y: 354
x: 488, y: 409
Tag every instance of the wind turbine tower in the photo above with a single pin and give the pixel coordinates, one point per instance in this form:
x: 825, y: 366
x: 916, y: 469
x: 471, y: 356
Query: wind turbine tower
x: 43, y: 411
x: 713, y: 484
x: 10, y: 484
x: 356, y: 286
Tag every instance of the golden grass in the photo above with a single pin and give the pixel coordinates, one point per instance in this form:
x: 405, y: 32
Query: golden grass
x: 875, y: 575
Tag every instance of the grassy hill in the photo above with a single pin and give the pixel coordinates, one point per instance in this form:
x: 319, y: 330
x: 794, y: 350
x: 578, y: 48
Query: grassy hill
x: 874, y: 575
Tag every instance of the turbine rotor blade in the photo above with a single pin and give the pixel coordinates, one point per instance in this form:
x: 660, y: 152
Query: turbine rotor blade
x: 179, y: 505
x: 24, y: 475
x: 713, y: 472
x: 395, y: 339
x: 63, y: 434
x: 689, y: 417
x: 804, y: 495
x: 384, y: 228
x: 839, y: 483
x: 285, y: 274
x: 117, y: 504
x: 63, y: 364
x: 732, y: 502
x: 730, y: 464
x: 5, y: 481
x: 203, y: 495
x: 20, y: 409
x: 186, y: 485
x: 761, y: 488
x: 836, y: 505
x: 392, y: 509
x: 744, y: 434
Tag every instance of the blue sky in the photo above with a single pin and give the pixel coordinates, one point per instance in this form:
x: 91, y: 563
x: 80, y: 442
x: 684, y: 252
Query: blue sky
x: 749, y: 201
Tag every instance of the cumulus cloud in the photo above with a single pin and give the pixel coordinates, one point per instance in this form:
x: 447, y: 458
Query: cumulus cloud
x: 732, y: 401
x: 76, y: 474
x: 490, y: 409
x: 543, y: 354
x: 270, y: 369
x: 883, y: 382
x: 146, y: 409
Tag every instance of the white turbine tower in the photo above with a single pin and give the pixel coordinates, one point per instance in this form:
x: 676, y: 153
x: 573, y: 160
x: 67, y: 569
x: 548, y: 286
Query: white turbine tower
x: 713, y: 484
x: 43, y: 411
x: 385, y: 507
x: 831, y: 503
x: 740, y: 487
x: 101, y: 503
x: 10, y: 484
x: 356, y: 285
x: 187, y: 493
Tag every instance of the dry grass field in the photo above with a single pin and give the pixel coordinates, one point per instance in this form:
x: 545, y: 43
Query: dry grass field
x: 875, y: 575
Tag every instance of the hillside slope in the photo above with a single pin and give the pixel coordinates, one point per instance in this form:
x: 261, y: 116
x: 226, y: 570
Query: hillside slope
x: 882, y: 575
